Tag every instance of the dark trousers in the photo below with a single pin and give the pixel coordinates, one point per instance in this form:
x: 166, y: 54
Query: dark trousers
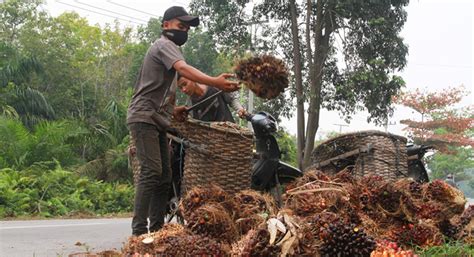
x: 154, y: 180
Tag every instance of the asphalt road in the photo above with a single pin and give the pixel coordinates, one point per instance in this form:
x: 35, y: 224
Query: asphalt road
x: 53, y: 238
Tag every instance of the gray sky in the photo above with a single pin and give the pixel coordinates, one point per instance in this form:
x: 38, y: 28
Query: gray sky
x: 439, y: 34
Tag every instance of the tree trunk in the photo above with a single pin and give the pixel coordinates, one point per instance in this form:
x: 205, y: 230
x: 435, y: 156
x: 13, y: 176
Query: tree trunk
x: 320, y: 53
x: 309, y: 56
x: 308, y: 39
x: 298, y: 83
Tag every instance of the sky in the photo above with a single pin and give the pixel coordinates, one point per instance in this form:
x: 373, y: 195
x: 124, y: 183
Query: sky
x: 439, y: 34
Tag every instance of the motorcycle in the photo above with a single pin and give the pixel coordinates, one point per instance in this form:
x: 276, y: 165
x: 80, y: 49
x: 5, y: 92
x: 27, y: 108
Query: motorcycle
x: 269, y: 172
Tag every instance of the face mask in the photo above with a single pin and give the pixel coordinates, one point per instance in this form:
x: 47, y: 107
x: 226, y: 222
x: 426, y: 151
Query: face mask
x: 177, y: 36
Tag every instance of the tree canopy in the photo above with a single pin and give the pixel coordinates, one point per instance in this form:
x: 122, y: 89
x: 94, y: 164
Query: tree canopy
x: 440, y: 124
x: 344, y: 54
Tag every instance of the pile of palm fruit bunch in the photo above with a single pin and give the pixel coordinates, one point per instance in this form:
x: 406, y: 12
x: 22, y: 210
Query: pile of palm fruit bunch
x: 371, y: 210
x: 265, y: 75
x: 212, y: 216
x: 321, y: 215
x: 173, y: 240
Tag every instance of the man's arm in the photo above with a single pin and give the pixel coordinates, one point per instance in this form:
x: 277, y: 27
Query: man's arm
x: 234, y: 101
x: 196, y: 75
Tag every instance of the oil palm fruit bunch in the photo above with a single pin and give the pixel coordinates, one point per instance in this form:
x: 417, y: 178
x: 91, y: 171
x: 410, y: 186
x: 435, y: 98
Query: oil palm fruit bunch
x: 253, y: 202
x: 388, y: 197
x: 198, y: 196
x: 135, y: 245
x: 322, y: 220
x: 442, y: 192
x: 255, y: 243
x: 213, y: 221
x: 386, y: 248
x: 253, y: 209
x: 421, y: 234
x: 431, y: 210
x: 341, y: 239
x: 448, y: 229
x: 465, y: 224
x: 344, y: 176
x: 457, y: 227
x: 410, y: 187
x: 265, y: 75
x: 467, y: 216
x: 314, y: 193
x: 415, y: 189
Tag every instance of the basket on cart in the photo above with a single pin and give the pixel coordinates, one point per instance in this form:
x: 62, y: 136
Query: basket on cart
x: 220, y: 153
x: 364, y: 153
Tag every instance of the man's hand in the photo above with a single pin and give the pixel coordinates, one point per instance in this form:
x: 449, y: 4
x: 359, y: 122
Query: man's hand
x: 221, y: 82
x: 242, y: 113
x: 196, y: 75
x: 180, y: 113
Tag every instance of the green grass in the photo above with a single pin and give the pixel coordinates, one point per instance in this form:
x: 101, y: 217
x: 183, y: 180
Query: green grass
x: 453, y: 249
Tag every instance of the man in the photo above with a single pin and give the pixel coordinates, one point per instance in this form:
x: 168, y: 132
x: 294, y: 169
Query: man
x: 216, y: 109
x: 150, y: 111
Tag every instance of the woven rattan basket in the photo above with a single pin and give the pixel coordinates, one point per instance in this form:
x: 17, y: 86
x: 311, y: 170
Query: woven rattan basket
x: 220, y: 154
x: 386, y: 155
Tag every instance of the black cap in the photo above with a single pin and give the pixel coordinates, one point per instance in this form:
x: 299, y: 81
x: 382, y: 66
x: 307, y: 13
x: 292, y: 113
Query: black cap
x: 179, y: 13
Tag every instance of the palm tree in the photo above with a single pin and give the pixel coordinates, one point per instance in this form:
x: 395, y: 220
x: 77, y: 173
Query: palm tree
x: 18, y: 99
x: 15, y: 67
x: 31, y: 105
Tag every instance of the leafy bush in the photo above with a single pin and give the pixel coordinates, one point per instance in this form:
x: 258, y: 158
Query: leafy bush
x: 46, y: 189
